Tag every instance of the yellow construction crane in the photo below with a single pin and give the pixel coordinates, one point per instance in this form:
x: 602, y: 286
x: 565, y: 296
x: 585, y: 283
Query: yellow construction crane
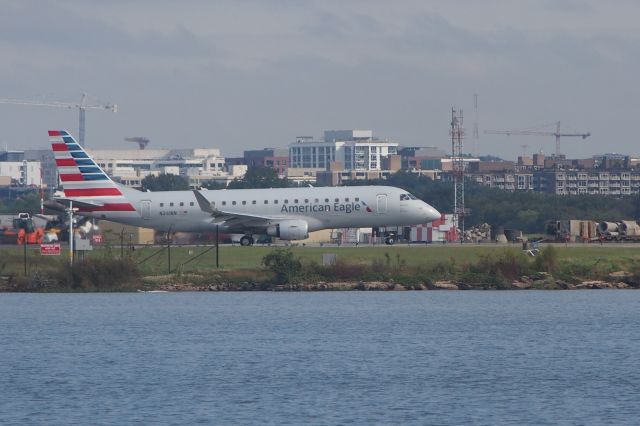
x: 82, y: 107
x: 535, y: 132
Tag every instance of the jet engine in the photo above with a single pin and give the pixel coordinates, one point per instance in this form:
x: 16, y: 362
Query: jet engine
x: 289, y: 230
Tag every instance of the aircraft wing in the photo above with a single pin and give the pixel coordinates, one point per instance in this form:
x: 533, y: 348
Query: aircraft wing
x: 232, y: 219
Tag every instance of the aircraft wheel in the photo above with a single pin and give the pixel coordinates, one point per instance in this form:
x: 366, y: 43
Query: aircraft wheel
x: 389, y: 241
x: 246, y: 241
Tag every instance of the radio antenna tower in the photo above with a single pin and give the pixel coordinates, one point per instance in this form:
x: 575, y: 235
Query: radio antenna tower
x: 458, y: 170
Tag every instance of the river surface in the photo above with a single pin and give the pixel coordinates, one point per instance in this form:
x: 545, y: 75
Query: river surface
x: 518, y: 357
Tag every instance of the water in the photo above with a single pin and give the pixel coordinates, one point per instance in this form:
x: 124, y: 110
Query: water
x: 321, y: 358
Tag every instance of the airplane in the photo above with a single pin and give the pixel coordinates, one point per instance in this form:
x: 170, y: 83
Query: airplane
x: 285, y: 213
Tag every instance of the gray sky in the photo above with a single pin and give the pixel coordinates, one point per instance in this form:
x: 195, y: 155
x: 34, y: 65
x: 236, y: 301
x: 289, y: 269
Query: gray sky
x: 248, y: 74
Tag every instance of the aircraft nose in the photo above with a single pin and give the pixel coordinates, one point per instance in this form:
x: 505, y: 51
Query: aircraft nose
x: 431, y: 213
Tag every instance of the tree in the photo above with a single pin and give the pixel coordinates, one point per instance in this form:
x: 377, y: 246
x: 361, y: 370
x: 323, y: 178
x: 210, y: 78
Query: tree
x: 27, y: 202
x: 212, y: 184
x: 259, y: 177
x: 527, y: 211
x: 165, y: 182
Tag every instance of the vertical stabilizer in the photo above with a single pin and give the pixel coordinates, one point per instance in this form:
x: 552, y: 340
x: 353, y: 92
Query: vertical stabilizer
x: 82, y: 179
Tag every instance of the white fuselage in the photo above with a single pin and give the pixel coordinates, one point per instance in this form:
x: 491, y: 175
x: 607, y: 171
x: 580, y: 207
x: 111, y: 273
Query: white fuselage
x: 321, y: 208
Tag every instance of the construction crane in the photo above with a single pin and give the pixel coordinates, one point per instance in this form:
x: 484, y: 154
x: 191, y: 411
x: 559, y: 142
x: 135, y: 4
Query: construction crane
x: 535, y: 132
x: 142, y: 142
x: 82, y: 107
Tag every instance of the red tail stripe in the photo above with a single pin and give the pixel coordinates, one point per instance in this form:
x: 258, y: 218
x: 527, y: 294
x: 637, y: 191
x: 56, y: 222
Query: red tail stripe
x: 90, y: 192
x: 113, y: 207
x: 59, y: 147
x: 54, y: 133
x: 71, y: 177
x: 62, y: 162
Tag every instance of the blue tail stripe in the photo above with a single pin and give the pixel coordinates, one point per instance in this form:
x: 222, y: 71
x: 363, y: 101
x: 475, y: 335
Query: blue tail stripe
x: 95, y: 177
x: 73, y: 147
x: 79, y: 154
x: 90, y: 170
x: 85, y: 163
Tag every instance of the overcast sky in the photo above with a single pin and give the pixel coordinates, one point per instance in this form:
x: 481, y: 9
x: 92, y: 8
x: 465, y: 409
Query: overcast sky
x: 249, y: 74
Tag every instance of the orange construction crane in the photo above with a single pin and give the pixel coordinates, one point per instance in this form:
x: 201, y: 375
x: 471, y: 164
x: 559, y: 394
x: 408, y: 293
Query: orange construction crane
x: 535, y: 132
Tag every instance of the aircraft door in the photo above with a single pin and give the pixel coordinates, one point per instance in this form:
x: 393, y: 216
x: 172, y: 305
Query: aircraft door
x: 145, y: 209
x: 381, y: 203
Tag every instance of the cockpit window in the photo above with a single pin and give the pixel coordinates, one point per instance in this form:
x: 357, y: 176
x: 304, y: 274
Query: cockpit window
x: 407, y: 196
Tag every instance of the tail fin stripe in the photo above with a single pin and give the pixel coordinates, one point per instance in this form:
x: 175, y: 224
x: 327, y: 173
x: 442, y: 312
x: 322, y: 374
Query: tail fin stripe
x: 62, y: 162
x: 71, y: 177
x: 73, y: 147
x: 90, y: 170
x: 85, y: 163
x: 91, y: 192
x: 79, y: 177
x: 57, y: 147
x: 111, y: 207
x: 96, y: 177
x: 79, y: 154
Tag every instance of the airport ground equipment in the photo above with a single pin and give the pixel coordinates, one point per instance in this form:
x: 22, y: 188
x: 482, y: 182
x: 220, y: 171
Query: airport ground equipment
x: 22, y: 231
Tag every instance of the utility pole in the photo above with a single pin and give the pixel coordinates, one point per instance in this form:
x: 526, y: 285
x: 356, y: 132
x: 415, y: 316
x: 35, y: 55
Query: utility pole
x: 71, y: 233
x: 458, y: 169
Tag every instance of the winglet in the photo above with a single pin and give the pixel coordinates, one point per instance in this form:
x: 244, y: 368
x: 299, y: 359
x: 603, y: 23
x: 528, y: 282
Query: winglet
x: 205, y: 205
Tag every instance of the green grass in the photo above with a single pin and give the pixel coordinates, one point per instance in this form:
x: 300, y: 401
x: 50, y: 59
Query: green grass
x: 232, y: 258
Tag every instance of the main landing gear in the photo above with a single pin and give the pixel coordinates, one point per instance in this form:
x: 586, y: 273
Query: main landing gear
x: 390, y: 238
x: 246, y: 241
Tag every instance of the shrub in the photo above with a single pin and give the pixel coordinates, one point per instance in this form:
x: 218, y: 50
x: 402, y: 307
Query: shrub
x: 547, y: 259
x: 509, y: 264
x: 283, y: 264
x: 99, y: 274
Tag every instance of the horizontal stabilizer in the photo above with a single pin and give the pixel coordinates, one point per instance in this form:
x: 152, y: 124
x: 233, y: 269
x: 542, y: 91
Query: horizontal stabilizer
x: 85, y: 203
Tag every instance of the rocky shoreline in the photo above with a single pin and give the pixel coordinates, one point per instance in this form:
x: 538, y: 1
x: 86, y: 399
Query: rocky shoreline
x: 540, y: 281
x: 196, y: 282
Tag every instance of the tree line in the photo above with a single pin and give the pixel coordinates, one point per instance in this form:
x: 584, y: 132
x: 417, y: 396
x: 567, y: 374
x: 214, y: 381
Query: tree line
x: 524, y: 210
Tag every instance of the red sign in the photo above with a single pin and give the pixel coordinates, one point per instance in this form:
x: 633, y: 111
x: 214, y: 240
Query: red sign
x: 96, y: 239
x: 51, y: 249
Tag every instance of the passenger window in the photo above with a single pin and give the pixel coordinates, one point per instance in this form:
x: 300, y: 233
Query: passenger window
x: 181, y: 204
x: 191, y: 204
x: 295, y: 201
x: 275, y: 201
x: 286, y: 201
x: 253, y: 202
x: 316, y: 200
x: 346, y: 200
x: 266, y: 201
x: 224, y: 203
x: 326, y: 200
x: 244, y: 203
x: 171, y: 204
x: 337, y: 200
x: 306, y: 200
x: 233, y: 202
x: 357, y: 199
x: 161, y: 204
